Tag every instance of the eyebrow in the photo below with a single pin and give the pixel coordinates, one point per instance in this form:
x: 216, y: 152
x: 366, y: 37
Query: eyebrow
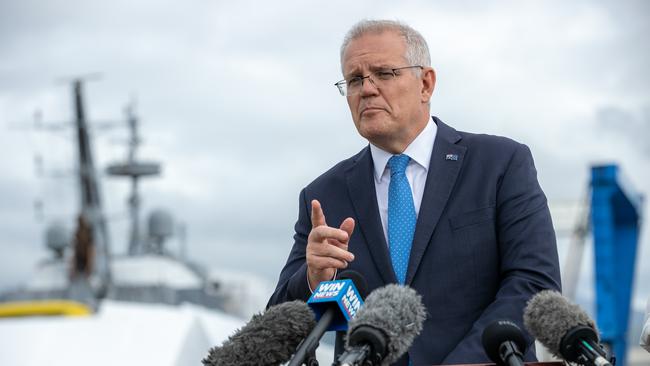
x: 356, y: 72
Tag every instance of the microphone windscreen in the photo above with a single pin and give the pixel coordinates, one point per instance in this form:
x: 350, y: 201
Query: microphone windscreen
x: 549, y: 316
x: 358, y: 280
x: 269, y: 338
x: 395, y: 310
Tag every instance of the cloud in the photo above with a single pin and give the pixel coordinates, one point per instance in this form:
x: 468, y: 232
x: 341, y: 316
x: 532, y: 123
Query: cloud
x: 627, y: 126
x: 237, y: 100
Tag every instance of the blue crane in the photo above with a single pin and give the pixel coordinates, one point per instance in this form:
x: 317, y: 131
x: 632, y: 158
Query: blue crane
x: 615, y: 223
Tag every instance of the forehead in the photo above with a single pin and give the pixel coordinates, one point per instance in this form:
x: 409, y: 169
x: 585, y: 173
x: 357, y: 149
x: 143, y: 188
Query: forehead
x: 387, y: 48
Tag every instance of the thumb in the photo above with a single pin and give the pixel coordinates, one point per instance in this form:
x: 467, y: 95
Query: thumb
x: 348, y: 226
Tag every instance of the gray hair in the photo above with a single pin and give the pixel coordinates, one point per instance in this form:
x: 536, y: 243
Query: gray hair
x: 417, y: 51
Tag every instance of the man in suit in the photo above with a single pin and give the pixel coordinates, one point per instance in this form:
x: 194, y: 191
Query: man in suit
x: 459, y: 217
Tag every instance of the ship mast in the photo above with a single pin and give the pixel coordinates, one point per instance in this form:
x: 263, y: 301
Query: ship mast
x: 134, y: 170
x: 90, y: 198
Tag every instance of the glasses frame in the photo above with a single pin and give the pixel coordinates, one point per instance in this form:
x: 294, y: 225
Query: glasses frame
x: 342, y: 84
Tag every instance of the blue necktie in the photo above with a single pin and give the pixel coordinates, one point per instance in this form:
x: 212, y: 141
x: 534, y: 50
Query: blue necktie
x: 401, y: 216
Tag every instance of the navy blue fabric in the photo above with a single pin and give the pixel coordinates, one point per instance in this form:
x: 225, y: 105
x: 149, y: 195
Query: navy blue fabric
x: 484, y: 242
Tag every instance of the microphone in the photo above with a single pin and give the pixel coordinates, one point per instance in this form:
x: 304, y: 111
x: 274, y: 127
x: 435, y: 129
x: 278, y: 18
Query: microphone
x: 358, y: 280
x: 267, y: 339
x: 505, y: 343
x: 564, y: 328
x: 334, y: 303
x: 362, y: 287
x: 385, y: 327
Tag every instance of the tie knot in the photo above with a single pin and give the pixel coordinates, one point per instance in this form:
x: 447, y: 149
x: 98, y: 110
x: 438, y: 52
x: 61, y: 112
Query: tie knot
x: 398, y: 163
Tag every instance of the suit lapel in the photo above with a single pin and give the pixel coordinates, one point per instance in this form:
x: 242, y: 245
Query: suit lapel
x: 443, y: 171
x: 361, y: 188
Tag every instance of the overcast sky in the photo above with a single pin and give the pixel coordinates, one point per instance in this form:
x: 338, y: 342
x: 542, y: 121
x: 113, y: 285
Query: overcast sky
x: 237, y: 100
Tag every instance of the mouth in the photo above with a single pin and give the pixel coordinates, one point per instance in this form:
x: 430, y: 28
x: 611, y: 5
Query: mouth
x: 370, y: 110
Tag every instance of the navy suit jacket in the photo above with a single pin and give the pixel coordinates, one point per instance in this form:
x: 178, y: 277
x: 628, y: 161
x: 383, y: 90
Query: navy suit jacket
x: 484, y: 242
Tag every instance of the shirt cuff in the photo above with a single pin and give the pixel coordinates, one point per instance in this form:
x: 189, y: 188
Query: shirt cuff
x: 308, y: 285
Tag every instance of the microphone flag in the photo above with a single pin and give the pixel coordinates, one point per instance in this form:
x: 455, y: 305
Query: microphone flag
x: 341, y: 295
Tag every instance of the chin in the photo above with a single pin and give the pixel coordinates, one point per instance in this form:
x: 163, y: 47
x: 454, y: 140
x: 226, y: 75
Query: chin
x: 374, y: 135
x: 373, y: 125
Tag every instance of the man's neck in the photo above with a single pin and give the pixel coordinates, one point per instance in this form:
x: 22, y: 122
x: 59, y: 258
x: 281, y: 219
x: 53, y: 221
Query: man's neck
x: 398, y: 145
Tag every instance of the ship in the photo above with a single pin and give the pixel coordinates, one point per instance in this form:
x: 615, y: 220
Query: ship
x: 85, y: 304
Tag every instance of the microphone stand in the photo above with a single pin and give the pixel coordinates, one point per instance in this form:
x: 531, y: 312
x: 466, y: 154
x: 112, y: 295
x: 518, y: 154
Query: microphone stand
x: 306, y: 352
x: 510, y: 354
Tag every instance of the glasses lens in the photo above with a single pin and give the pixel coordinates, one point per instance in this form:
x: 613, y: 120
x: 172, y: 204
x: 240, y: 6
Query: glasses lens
x: 342, y: 87
x: 354, y: 85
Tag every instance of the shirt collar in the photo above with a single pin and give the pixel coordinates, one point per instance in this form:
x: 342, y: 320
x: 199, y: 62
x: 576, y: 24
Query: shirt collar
x: 419, y: 150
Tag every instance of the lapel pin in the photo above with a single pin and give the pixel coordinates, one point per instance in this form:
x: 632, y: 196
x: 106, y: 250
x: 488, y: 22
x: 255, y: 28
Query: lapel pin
x: 452, y: 157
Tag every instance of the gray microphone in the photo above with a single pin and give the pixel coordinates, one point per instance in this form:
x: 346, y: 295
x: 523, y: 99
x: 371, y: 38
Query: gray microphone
x: 384, y: 327
x: 564, y: 328
x: 267, y: 339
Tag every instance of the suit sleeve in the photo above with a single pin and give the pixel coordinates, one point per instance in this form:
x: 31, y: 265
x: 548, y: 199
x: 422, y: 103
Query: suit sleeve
x: 527, y: 252
x: 293, y: 284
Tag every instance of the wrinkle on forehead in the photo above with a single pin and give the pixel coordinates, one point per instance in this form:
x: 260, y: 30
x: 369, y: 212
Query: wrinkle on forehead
x: 374, y: 50
x: 358, y: 70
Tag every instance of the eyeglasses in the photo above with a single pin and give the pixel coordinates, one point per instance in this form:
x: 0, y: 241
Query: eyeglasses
x: 379, y: 78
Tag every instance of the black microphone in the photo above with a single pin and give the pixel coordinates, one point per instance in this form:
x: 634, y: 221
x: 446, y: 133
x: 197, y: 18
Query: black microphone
x: 385, y: 327
x: 334, y: 303
x: 565, y: 329
x: 362, y: 286
x: 267, y: 339
x: 504, y: 342
x: 358, y: 280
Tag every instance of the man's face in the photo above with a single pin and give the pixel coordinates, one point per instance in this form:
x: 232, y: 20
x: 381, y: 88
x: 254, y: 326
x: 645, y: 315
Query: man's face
x: 392, y: 116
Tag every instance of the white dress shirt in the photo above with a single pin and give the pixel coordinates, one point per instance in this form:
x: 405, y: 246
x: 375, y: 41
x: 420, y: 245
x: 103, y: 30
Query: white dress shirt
x: 416, y: 172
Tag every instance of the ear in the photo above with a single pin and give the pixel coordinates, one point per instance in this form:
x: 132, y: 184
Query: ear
x: 428, y: 84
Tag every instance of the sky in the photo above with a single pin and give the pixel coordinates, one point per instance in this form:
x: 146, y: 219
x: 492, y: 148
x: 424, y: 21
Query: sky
x: 236, y: 99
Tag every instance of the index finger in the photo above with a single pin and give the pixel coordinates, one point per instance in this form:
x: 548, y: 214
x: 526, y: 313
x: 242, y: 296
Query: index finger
x: 317, y: 215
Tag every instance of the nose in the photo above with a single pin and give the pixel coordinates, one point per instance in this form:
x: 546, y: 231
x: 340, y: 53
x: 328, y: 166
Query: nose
x: 368, y: 87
